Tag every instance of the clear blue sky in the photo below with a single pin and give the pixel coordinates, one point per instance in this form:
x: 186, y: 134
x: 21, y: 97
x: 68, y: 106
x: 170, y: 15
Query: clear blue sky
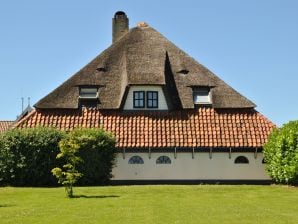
x: 252, y: 45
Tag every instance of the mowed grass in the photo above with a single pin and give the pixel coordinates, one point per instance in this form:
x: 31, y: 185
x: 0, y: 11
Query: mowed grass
x: 151, y: 204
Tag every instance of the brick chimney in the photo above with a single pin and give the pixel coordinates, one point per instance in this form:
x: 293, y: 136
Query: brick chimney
x: 120, y: 25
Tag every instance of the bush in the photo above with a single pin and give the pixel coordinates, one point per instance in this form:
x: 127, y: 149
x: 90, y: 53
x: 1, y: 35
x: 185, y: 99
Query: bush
x: 281, y: 154
x: 98, y: 152
x: 28, y: 155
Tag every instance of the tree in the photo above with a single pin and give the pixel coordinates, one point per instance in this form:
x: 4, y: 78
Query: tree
x: 88, y: 153
x: 281, y: 154
x: 68, y: 175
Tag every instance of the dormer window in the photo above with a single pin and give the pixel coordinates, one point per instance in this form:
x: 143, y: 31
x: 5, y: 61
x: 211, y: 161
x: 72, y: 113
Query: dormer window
x: 201, y: 95
x: 88, y: 97
x: 145, y: 97
x: 88, y: 93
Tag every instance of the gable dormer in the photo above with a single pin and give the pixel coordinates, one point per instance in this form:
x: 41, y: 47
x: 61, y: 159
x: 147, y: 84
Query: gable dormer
x: 145, y: 97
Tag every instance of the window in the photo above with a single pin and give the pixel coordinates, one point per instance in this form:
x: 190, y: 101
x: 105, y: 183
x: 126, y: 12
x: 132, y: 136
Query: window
x: 138, y: 99
x: 136, y: 160
x: 241, y: 160
x: 88, y: 93
x: 88, y: 97
x: 152, y: 99
x: 263, y: 161
x: 163, y: 160
x: 201, y: 95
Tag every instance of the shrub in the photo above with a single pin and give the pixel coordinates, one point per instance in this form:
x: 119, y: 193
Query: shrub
x: 281, y: 154
x: 28, y: 155
x: 98, y: 152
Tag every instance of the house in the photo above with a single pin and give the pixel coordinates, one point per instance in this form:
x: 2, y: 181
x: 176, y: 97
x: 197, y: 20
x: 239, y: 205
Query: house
x: 5, y: 125
x: 174, y: 120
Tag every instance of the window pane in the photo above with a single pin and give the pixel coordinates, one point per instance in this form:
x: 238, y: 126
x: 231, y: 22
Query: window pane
x: 88, y: 92
x: 154, y: 95
x: 201, y: 96
x: 136, y: 160
x: 141, y: 103
x: 241, y: 160
x: 163, y: 160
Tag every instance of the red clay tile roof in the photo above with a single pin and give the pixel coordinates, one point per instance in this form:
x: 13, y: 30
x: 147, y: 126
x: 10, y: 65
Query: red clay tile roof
x: 205, y: 127
x: 4, y: 125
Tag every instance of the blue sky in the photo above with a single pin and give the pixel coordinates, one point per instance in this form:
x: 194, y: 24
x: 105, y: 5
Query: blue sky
x: 252, y: 45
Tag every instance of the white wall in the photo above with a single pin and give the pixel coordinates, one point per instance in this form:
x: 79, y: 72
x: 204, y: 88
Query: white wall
x: 220, y: 167
x: 162, y: 104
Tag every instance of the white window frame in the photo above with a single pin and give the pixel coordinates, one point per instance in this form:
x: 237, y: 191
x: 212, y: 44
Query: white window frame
x: 202, y: 96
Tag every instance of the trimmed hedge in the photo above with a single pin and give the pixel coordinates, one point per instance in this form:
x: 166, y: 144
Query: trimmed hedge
x: 28, y: 155
x: 281, y: 154
x: 98, y: 152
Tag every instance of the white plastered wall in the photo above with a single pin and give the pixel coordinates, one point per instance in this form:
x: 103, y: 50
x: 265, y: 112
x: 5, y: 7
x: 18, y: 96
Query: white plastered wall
x: 184, y: 167
x: 162, y: 104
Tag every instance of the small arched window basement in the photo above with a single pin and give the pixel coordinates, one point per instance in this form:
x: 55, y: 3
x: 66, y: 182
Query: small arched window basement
x: 163, y: 160
x: 241, y: 160
x: 136, y: 160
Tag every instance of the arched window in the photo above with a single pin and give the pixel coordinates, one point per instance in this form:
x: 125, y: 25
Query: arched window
x: 163, y: 160
x: 241, y: 160
x: 263, y: 161
x: 136, y: 160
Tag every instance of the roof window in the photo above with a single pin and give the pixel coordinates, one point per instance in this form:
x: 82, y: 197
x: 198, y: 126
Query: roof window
x: 88, y: 92
x: 201, y: 95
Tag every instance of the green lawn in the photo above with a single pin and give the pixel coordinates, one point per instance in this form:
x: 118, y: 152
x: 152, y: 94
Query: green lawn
x: 151, y: 204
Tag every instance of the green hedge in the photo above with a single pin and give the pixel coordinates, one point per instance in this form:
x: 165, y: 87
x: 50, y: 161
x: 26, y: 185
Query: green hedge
x: 98, y: 152
x: 28, y: 155
x: 281, y: 154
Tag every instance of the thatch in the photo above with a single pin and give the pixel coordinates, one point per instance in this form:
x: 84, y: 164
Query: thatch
x: 144, y: 56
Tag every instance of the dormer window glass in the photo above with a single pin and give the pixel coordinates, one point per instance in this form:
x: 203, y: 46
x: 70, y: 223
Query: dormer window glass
x: 88, y: 93
x: 139, y: 99
x: 152, y: 99
x: 201, y: 95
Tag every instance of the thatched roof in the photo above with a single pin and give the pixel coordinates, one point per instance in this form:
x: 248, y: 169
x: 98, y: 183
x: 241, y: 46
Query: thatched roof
x: 144, y: 56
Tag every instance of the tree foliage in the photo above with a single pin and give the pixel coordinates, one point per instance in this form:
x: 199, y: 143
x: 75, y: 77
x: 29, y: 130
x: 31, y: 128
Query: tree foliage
x: 97, y: 150
x: 89, y: 155
x: 281, y: 154
x: 68, y: 175
x: 28, y: 155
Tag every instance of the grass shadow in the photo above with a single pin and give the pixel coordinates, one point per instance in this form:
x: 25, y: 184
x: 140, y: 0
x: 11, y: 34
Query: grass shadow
x: 96, y: 196
x: 5, y: 205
